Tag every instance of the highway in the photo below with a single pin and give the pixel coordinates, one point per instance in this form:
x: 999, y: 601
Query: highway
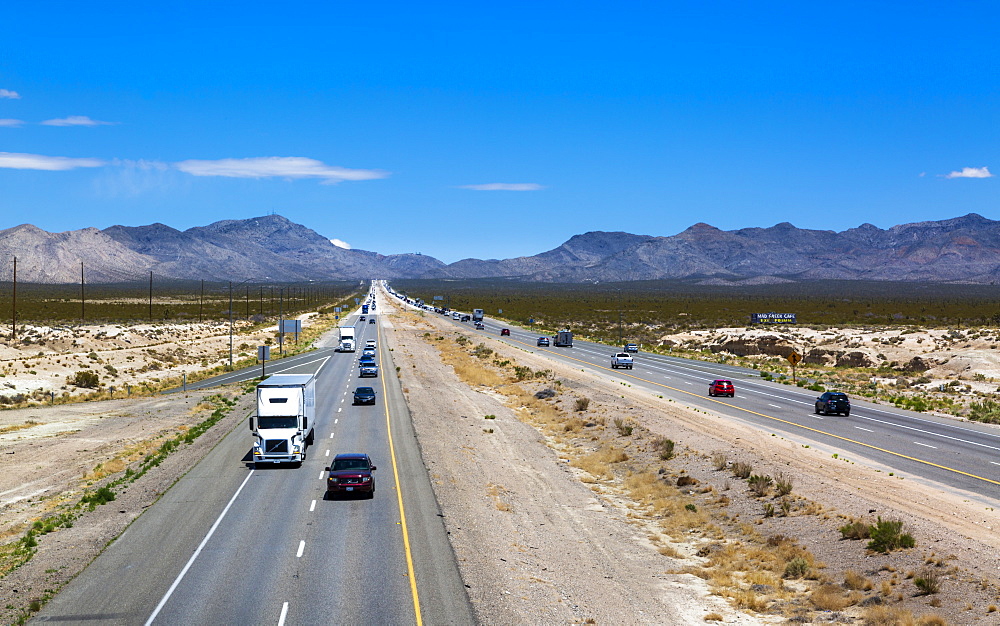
x: 238, y: 544
x: 959, y: 455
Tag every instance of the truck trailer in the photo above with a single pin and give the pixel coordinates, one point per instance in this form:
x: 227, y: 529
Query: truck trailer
x: 477, y: 315
x: 283, y: 425
x: 564, y: 339
x: 348, y: 340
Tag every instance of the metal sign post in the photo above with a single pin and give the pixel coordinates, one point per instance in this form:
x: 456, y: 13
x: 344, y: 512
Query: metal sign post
x: 263, y: 355
x: 794, y: 358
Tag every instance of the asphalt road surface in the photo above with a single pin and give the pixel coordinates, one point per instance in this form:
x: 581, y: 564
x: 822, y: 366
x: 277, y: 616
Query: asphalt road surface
x: 232, y: 543
x: 959, y: 455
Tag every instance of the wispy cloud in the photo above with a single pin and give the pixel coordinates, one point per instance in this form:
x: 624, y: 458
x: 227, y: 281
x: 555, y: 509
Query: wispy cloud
x: 971, y: 172
x: 132, y: 178
x: 20, y: 161
x: 11, y: 123
x: 76, y: 120
x: 10, y: 95
x: 341, y: 244
x: 276, y: 167
x: 504, y: 187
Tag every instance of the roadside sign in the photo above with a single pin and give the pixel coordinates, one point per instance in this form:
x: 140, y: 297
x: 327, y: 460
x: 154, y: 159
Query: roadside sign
x: 794, y: 358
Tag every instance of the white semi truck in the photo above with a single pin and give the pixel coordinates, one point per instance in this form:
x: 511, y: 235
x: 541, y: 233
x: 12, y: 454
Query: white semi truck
x: 348, y: 341
x: 477, y: 315
x: 283, y: 425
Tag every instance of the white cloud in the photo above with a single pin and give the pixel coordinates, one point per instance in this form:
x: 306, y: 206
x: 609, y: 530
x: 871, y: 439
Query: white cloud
x: 10, y: 95
x: 971, y: 172
x: 282, y: 167
x: 133, y: 178
x: 504, y: 187
x: 19, y: 161
x: 341, y: 244
x: 11, y: 123
x: 76, y: 120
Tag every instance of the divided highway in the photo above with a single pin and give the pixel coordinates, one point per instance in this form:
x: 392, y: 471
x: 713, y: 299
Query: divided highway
x: 959, y: 455
x: 232, y: 543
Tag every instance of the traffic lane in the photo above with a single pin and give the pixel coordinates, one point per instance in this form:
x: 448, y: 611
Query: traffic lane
x: 248, y: 567
x: 298, y: 364
x: 133, y: 573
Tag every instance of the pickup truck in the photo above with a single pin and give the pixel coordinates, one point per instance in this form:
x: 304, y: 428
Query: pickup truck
x: 622, y: 359
x: 631, y: 347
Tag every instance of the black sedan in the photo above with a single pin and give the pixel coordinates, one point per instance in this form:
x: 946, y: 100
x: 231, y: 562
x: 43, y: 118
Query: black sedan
x: 364, y: 395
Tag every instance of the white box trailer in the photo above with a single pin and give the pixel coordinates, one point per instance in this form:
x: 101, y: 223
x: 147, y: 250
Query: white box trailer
x: 477, y: 315
x: 283, y: 425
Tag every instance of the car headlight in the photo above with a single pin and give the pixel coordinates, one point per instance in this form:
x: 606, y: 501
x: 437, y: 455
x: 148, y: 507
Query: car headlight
x: 366, y: 479
x: 295, y: 449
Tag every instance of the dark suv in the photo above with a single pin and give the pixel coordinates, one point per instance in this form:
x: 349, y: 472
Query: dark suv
x: 350, y: 473
x: 833, y: 402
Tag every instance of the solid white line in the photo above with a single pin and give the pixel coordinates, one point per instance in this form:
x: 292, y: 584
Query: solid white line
x: 187, y: 566
x: 284, y: 612
x: 864, y: 429
x: 302, y: 547
x: 925, y: 445
x: 312, y: 507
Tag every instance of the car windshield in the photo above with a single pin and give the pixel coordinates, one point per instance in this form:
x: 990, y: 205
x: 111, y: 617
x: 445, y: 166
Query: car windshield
x: 266, y: 422
x: 349, y: 464
x: 364, y: 390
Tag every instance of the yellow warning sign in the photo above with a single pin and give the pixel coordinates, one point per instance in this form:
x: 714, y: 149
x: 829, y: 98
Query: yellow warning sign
x: 794, y: 358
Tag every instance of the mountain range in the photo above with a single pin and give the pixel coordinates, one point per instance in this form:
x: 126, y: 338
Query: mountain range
x: 272, y: 248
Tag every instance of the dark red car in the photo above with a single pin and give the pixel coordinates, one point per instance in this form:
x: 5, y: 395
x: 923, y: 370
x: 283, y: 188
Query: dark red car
x: 721, y: 387
x: 504, y: 332
x: 350, y: 473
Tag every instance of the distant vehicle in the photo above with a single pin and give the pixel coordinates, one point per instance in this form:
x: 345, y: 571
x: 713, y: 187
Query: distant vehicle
x: 368, y: 370
x: 371, y: 344
x: 631, y: 347
x: 833, y: 402
x: 622, y: 359
x: 283, y: 426
x: 477, y: 315
x: 362, y: 318
x: 364, y: 309
x: 564, y: 339
x: 455, y: 315
x: 366, y: 360
x: 364, y: 395
x: 368, y: 351
x: 480, y: 326
x: 543, y: 341
x: 466, y: 318
x: 350, y: 473
x: 504, y: 332
x: 371, y: 321
x: 721, y: 387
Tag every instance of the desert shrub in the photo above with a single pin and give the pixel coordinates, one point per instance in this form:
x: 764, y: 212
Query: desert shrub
x: 796, y: 568
x: 522, y: 373
x: 985, y: 411
x: 84, y: 378
x: 888, y: 535
x: 582, y: 404
x: 855, y: 530
x: 928, y: 582
x: 666, y: 448
x: 719, y: 461
x: 482, y: 352
x: 856, y: 581
x: 623, y: 426
x: 760, y: 485
x: 783, y: 484
x: 742, y: 470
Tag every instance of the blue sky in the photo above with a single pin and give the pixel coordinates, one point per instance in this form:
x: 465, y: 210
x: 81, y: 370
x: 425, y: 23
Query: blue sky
x: 463, y: 129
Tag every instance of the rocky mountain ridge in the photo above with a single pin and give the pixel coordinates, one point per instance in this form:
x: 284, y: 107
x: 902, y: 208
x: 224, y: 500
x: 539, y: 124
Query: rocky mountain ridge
x: 274, y: 249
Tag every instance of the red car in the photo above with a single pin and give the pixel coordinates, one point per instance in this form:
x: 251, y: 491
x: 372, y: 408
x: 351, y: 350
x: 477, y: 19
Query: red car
x: 350, y: 473
x: 721, y: 388
x: 504, y: 332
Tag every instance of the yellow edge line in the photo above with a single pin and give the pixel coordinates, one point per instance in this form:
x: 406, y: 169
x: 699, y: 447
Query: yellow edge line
x: 778, y: 419
x: 399, y: 493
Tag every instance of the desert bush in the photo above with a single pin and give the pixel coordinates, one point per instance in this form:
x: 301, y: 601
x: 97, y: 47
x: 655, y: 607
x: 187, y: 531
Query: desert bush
x: 742, y: 470
x: 986, y: 411
x: 624, y: 427
x: 666, y: 448
x: 832, y: 598
x: 798, y: 567
x: 719, y: 461
x: 856, y: 581
x: 783, y: 484
x: 855, y: 530
x: 760, y: 485
x: 84, y: 378
x: 928, y: 582
x: 888, y: 535
x: 582, y: 404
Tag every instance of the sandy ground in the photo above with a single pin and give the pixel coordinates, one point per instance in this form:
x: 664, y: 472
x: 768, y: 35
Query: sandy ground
x: 537, y: 540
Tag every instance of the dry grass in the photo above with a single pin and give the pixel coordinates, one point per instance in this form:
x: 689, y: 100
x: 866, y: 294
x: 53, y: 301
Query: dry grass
x: 895, y: 616
x: 496, y: 492
x: 713, y: 617
x: 16, y: 427
x: 598, y: 464
x: 856, y: 581
x: 833, y: 598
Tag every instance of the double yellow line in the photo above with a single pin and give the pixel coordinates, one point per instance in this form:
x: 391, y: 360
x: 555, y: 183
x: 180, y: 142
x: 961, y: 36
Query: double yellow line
x: 778, y: 419
x: 399, y: 492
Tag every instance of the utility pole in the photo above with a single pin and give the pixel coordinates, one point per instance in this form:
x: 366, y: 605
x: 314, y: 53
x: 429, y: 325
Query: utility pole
x: 230, y: 324
x: 83, y: 297
x: 150, y: 295
x: 201, y: 301
x: 281, y: 321
x: 13, y: 319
